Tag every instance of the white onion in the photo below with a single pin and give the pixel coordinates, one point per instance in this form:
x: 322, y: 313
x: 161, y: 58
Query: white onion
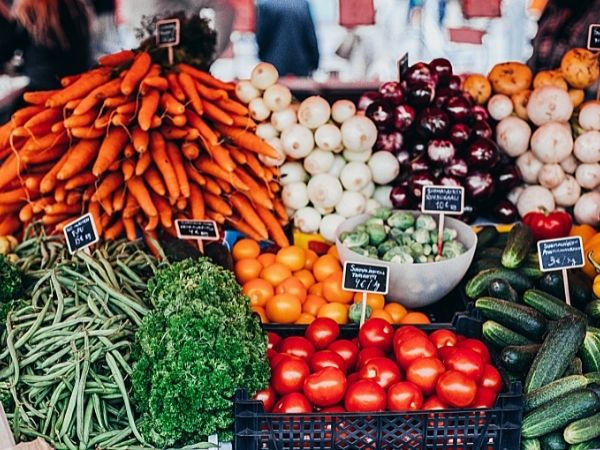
x: 245, y: 91
x: 291, y: 172
x: 359, y: 134
x: 529, y: 166
x: 351, y: 204
x: 277, y: 97
x: 549, y: 104
x: 500, y: 106
x: 329, y: 225
x: 589, y: 116
x: 274, y: 142
x: 324, y: 211
x: 372, y: 205
x: 552, y: 142
x: 512, y: 135
x: 357, y: 156
x: 307, y: 220
x: 264, y: 75
x: 284, y: 119
x: 382, y: 195
x: 342, y: 110
x: 587, y: 147
x: 328, y: 137
x: 324, y: 190
x: 314, y: 112
x: 318, y: 161
x: 534, y: 198
x: 567, y: 193
x: 587, y: 209
x: 551, y: 175
x: 569, y: 164
x: 514, y: 194
x: 295, y: 195
x: 297, y: 141
x: 338, y: 165
x: 266, y: 131
x: 355, y: 176
x: 368, y: 190
x: 258, y: 109
x: 588, y: 175
x: 384, y: 167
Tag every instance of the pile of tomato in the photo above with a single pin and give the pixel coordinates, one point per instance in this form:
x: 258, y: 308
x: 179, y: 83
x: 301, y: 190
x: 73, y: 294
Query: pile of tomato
x: 382, y: 369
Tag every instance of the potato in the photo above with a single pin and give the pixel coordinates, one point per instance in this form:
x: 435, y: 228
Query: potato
x: 577, y: 96
x: 479, y: 87
x: 510, y: 78
x: 520, y: 100
x: 550, y: 78
x: 580, y: 68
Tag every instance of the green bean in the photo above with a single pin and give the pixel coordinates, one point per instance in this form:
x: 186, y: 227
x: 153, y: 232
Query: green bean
x: 117, y: 438
x: 70, y: 445
x: 130, y: 273
x: 72, y: 403
x: 13, y: 355
x: 55, y: 357
x: 87, y: 421
x: 60, y: 297
x: 38, y: 322
x: 103, y: 437
x: 81, y: 388
x: 52, y: 405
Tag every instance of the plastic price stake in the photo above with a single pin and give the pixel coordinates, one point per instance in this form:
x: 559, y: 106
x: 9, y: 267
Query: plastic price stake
x: 561, y: 254
x: 81, y: 233
x: 168, y: 35
x: 365, y: 278
x: 442, y: 200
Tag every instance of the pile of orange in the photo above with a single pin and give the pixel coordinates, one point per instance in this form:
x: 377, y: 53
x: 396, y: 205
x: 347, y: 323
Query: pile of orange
x: 296, y: 286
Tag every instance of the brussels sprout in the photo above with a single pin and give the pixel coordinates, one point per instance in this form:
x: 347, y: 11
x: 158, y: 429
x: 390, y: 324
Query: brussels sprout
x: 427, y: 249
x: 433, y: 237
x: 452, y: 249
x: 385, y: 246
x: 410, y: 230
x: 402, y: 220
x: 396, y: 234
x: 362, y: 228
x: 416, y: 250
x: 376, y: 233
x: 382, y: 213
x: 449, y: 234
x: 421, y: 236
x: 343, y: 235
x: 372, y: 252
x: 398, y: 255
x: 421, y: 259
x: 407, y: 239
x: 356, y: 310
x: 374, y: 220
x: 426, y: 222
x: 356, y: 239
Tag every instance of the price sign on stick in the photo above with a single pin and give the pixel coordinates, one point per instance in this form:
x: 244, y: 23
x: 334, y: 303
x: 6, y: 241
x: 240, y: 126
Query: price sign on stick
x: 402, y: 66
x: 561, y: 254
x: 443, y: 200
x: 594, y: 37
x: 365, y: 278
x: 167, y: 35
x: 205, y: 230
x: 81, y: 233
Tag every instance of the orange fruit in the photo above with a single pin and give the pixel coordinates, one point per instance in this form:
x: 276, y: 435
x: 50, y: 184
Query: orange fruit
x: 247, y: 269
x: 333, y: 252
x: 305, y: 319
x: 260, y: 311
x: 335, y: 311
x: 259, y: 291
x: 294, y: 286
x: 245, y: 249
x: 332, y: 289
x: 316, y: 289
x: 415, y: 317
x: 325, y: 266
x: 292, y: 257
x: 266, y: 259
x: 311, y: 258
x: 275, y: 273
x: 375, y: 301
x: 283, y: 308
x: 312, y: 304
x: 381, y: 314
x: 306, y: 277
x: 396, y: 310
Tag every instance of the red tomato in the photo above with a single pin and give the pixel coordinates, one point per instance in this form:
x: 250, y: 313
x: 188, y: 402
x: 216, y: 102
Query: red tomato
x: 347, y: 350
x: 445, y: 352
x: 297, y: 346
x: 413, y: 347
x: 326, y: 358
x: 365, y: 395
x: 485, y: 398
x: 367, y: 354
x: 268, y: 397
x: 443, y: 338
x: 322, y: 332
x: 404, y: 396
x: 292, y: 403
x: 276, y: 359
x: 333, y: 409
x: 274, y: 340
x: 271, y: 354
x: 424, y: 373
x: 491, y: 378
x: 325, y: 387
x: 466, y: 361
x: 289, y: 375
x: 376, y: 333
x: 352, y: 378
x: 433, y: 403
x: 456, y: 389
x: 407, y: 331
x: 477, y: 346
x: 383, y: 371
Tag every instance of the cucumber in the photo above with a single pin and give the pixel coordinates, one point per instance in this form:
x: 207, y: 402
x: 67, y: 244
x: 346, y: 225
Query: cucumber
x: 487, y: 236
x: 575, y: 367
x: 518, y: 358
x: 559, y: 413
x: 554, y: 441
x: 553, y: 390
x: 531, y: 444
x: 583, y: 430
x: 590, y: 351
x: 592, y: 377
x: 489, y: 253
x: 503, y: 290
x: 520, y: 318
x: 592, y: 309
x: 484, y: 264
x: 557, y: 351
x: 549, y: 305
x: 500, y: 336
x: 580, y: 287
x: 531, y: 271
x: 593, y: 444
x: 480, y: 282
x: 520, y: 239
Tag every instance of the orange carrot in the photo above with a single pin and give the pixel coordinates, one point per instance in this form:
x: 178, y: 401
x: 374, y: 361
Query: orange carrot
x: 106, y: 90
x: 178, y: 121
x: 156, y: 121
x: 128, y: 168
x: 69, y: 79
x: 103, y: 121
x: 118, y: 201
x: 190, y: 150
x: 173, y: 133
x: 275, y: 230
x: 114, y: 231
x: 81, y: 120
x: 158, y: 150
x: 244, y: 122
x: 206, y: 132
x: 208, y: 167
x: 137, y: 71
x: 117, y: 58
x: 257, y: 192
x: 94, y: 210
x: 60, y: 192
x: 83, y: 86
x: 155, y: 181
x: 233, y: 106
x: 255, y: 165
x: 137, y: 188
x: 82, y: 154
x: 148, y: 107
x: 206, y: 78
x: 127, y: 108
x: 121, y: 120
x: 110, y: 184
x: 62, y: 208
x: 83, y: 179
x: 106, y: 205
x: 43, y: 156
x: 26, y: 213
x: 238, y: 155
x: 243, y: 227
x: 164, y: 210
x: 274, y: 186
x: 247, y: 140
x: 189, y: 87
x: 21, y: 116
x: 143, y: 162
x: 210, y: 93
x: 217, y: 204
x: 87, y: 132
x: 192, y: 134
x: 171, y: 105
x: 10, y: 208
x: 14, y: 196
x: 111, y: 148
x: 38, y: 130
x: 151, y: 240
x: 129, y: 151
x: 72, y: 104
x: 224, y: 185
x: 88, y: 193
x: 212, y: 186
x: 216, y: 216
x: 10, y: 169
x: 58, y: 126
x: 248, y: 212
x: 140, y: 139
x: 130, y: 230
x: 47, y: 115
x: 181, y: 203
x: 32, y: 182
x: 106, y: 217
x: 194, y: 175
x: 9, y: 225
x: 175, y: 87
x: 116, y: 101
x: 39, y: 97
x: 73, y: 198
x: 196, y: 202
x: 131, y: 207
x: 215, y: 113
x: 39, y: 205
x: 177, y: 162
x: 156, y: 82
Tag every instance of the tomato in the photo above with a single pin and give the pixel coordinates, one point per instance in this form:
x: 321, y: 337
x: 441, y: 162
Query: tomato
x: 325, y: 387
x: 276, y: 359
x: 491, y: 378
x: 434, y: 403
x: 352, y: 378
x: 274, y: 340
x: 333, y: 409
x: 443, y: 338
x: 268, y: 397
x: 322, y: 332
x: 289, y: 375
x: 466, y: 361
x: 411, y: 348
x: 297, y: 346
x: 376, y: 333
x: 347, y: 350
x: 292, y: 403
x: 326, y: 358
x: 477, y: 346
x: 445, y: 352
x: 383, y: 371
x: 365, y: 395
x: 404, y: 396
x: 407, y: 331
x: 424, y: 373
x: 456, y: 389
x: 485, y: 398
x: 367, y: 354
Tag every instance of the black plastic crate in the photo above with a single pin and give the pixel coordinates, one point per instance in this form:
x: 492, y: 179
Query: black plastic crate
x: 497, y: 428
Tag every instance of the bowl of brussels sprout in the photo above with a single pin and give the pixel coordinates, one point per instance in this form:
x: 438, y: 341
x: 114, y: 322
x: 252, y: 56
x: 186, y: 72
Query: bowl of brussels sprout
x: 406, y: 242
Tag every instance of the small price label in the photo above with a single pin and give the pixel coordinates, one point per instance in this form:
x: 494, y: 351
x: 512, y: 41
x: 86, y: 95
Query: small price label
x: 443, y: 199
x: 81, y: 233
x: 402, y: 66
x: 205, y: 230
x: 594, y: 37
x: 562, y: 253
x: 167, y: 32
x: 361, y: 277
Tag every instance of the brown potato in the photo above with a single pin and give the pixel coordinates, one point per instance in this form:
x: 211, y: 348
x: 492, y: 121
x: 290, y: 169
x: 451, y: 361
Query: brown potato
x: 550, y: 78
x: 577, y: 96
x: 520, y: 100
x: 479, y: 87
x: 509, y: 78
x: 580, y: 68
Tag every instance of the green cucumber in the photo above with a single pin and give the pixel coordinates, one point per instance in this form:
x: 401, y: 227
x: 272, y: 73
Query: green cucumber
x: 549, y: 305
x: 592, y: 377
x: 553, y: 390
x: 500, y: 336
x: 520, y: 239
x: 558, y: 349
x: 554, y: 441
x: 487, y: 236
x: 503, y: 290
x: 489, y: 253
x: 593, y: 444
x: 590, y: 351
x: 580, y: 287
x: 575, y: 367
x: 559, y: 413
x: 583, y: 430
x: 518, y: 358
x: 531, y: 271
x: 531, y: 444
x: 480, y: 282
x: 592, y: 309
x: 484, y: 264
x: 520, y: 318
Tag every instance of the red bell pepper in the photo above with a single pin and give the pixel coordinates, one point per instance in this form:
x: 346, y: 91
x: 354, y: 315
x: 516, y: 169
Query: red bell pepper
x: 548, y: 225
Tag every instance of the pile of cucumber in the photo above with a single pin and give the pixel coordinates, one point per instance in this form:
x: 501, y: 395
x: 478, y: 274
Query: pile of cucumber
x: 551, y: 347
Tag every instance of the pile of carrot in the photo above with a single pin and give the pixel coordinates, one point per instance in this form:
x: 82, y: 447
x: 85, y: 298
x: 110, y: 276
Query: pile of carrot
x: 138, y: 146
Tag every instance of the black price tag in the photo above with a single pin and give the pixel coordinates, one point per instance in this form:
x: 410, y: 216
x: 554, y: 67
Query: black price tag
x: 81, y: 233
x: 205, y: 230
x: 402, y: 66
x: 594, y: 37
x: 443, y: 199
x: 167, y: 32
x: 563, y: 253
x: 361, y: 277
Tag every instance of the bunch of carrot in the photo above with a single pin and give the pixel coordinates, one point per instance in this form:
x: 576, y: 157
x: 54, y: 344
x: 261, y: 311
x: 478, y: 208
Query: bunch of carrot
x: 137, y: 146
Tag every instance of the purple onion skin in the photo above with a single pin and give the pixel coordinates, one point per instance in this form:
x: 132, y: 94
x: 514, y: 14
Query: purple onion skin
x: 442, y: 95
x: 404, y: 117
x: 482, y: 154
x: 505, y: 212
x: 457, y: 168
x: 381, y: 113
x: 403, y: 157
x: 433, y: 122
x: 420, y: 164
x: 421, y: 94
x: 392, y: 92
x: 419, y: 147
x: 449, y: 180
x: 482, y: 129
x: 508, y: 177
x: 479, y: 112
x: 458, y: 108
x: 459, y: 134
x: 420, y: 72
x: 417, y: 180
x: 479, y: 186
x: 470, y: 213
x: 400, y: 197
x: 391, y: 141
x: 367, y: 98
x: 455, y: 83
x: 442, y: 68
x: 440, y: 151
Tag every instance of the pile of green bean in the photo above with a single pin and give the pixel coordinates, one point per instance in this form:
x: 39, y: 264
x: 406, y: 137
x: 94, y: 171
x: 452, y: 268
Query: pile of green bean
x: 67, y: 348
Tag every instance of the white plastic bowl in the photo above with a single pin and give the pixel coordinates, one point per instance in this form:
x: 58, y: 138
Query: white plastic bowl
x: 418, y: 285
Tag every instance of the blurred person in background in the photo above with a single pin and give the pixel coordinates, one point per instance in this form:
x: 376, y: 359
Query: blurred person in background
x: 286, y: 36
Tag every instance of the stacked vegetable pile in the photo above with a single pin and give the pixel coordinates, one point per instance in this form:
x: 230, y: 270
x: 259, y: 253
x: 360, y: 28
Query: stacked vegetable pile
x: 137, y: 144
x: 330, y: 173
